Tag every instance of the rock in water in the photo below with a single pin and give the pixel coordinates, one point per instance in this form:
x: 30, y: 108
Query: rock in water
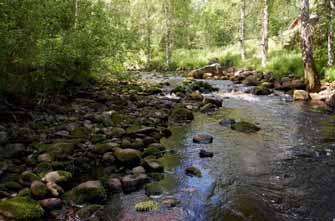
x: 205, y: 154
x: 203, y: 139
x: 146, y: 206
x: 193, y: 171
x: 245, y: 127
x: 300, y: 95
x: 227, y: 122
x: 331, y: 101
x: 180, y: 114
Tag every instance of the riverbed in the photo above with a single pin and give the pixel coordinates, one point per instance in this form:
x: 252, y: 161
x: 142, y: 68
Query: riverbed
x: 286, y: 171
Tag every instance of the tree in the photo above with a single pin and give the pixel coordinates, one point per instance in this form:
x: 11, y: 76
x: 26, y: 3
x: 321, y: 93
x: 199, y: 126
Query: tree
x: 242, y: 29
x: 265, y: 32
x: 331, y: 33
x: 311, y: 76
x: 168, y: 29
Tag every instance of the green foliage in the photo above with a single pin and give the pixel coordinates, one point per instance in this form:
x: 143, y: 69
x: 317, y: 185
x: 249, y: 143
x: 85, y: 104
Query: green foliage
x: 285, y: 63
x: 47, y: 48
x: 330, y: 74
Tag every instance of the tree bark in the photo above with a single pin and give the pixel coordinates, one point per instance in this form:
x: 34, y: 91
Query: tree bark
x: 148, y: 32
x: 168, y: 40
x: 265, y: 33
x: 331, y: 34
x: 76, y: 13
x: 311, y: 76
x: 242, y: 29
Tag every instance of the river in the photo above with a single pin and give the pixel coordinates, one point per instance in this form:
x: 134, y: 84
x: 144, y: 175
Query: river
x: 286, y: 171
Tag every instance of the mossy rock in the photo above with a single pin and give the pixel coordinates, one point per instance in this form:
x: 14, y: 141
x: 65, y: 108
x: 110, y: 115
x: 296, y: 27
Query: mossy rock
x: 193, y: 171
x: 21, y: 208
x: 202, y: 86
x: 245, y: 127
x: 26, y: 192
x: 60, y: 149
x: 12, y: 186
x: 88, y: 192
x: 128, y: 157
x: 28, y: 177
x: 98, y: 138
x: 90, y: 212
x: 60, y: 177
x: 146, y: 206
x: 104, y: 147
x: 153, y: 189
x: 181, y: 114
x: 81, y: 132
x: 153, y: 151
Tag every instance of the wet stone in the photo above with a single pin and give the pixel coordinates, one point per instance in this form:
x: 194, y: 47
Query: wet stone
x: 205, y: 154
x: 193, y: 172
x: 203, y: 139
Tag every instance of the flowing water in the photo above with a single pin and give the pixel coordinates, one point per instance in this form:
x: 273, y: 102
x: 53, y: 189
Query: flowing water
x: 286, y: 171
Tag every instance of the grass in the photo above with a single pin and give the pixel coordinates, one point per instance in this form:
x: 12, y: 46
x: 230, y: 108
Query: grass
x: 281, y: 62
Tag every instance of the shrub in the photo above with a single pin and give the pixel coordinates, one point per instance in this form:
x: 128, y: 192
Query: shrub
x: 330, y: 74
x: 286, y: 63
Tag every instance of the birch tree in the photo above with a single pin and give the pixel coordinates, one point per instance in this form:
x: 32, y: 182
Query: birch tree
x: 311, y: 76
x: 265, y: 33
x: 242, y: 29
x: 331, y: 33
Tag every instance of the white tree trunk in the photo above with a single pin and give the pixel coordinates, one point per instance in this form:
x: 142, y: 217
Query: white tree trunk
x: 311, y: 77
x: 148, y: 32
x: 331, y: 34
x: 168, y: 39
x: 76, y: 13
x: 265, y: 33
x: 242, y: 29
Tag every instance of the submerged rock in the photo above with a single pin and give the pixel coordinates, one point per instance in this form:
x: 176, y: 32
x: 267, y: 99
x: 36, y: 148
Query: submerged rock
x: 205, y: 154
x: 193, y: 171
x: 203, y: 139
x: 146, y: 206
x: 90, y: 212
x: 227, y: 122
x: 245, y: 127
x: 153, y: 189
x: 21, y: 208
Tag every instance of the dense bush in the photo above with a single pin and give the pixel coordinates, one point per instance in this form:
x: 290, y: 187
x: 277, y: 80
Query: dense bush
x: 49, y: 47
x: 286, y: 63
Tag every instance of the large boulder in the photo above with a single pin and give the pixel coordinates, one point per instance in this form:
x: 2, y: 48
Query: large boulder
x: 128, y: 157
x: 88, y: 192
x: 245, y: 127
x: 21, y: 208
